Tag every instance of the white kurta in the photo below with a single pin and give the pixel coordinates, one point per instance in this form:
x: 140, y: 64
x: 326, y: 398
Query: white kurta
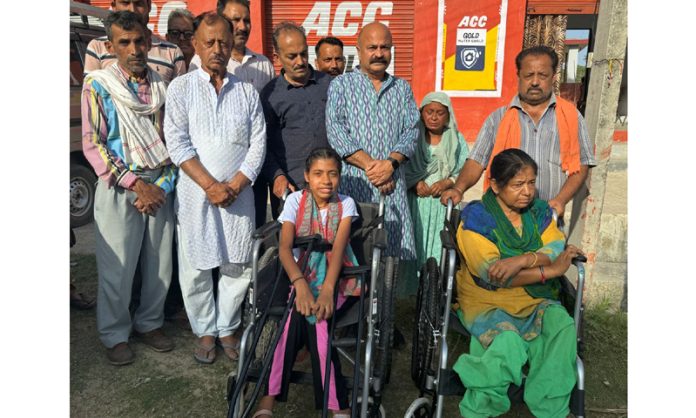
x: 227, y: 133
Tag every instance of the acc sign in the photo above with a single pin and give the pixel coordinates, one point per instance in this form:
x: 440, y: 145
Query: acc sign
x: 471, y: 49
x: 319, y: 18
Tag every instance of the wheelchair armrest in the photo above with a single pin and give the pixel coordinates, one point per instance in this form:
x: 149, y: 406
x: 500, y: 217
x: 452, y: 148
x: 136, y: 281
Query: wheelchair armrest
x: 267, y: 229
x: 380, y: 239
x: 306, y: 240
x: 354, y: 270
x: 447, y: 241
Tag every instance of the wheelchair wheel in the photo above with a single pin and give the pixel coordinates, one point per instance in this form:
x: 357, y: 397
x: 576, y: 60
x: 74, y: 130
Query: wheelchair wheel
x: 386, y: 296
x: 420, y: 408
x: 427, y: 319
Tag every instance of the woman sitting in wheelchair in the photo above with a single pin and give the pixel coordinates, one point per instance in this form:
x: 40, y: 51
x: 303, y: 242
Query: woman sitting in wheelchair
x: 318, y: 209
x: 508, y: 296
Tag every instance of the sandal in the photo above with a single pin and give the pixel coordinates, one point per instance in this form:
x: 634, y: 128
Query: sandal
x: 262, y: 412
x: 231, y: 350
x: 206, y: 351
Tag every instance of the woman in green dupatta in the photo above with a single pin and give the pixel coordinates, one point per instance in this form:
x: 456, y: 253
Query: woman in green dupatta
x: 508, y: 291
x: 439, y: 156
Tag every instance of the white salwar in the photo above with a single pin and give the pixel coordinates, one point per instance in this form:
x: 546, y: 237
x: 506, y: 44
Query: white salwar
x: 227, y: 133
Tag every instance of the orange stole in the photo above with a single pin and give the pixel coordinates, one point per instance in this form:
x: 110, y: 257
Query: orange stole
x: 509, y: 135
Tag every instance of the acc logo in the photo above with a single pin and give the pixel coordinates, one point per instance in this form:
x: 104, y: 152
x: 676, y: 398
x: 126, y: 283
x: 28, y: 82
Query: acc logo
x: 469, y: 57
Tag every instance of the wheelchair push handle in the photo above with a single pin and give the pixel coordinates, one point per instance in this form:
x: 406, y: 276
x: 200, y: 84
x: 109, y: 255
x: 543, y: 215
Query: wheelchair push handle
x: 579, y: 259
x: 450, y: 208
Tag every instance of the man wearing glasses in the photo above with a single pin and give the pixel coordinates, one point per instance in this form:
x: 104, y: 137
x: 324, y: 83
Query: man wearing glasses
x: 164, y: 58
x: 180, y: 32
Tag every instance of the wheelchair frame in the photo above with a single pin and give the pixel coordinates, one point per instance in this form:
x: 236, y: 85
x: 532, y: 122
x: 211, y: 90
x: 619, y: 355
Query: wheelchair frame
x: 376, y: 339
x: 432, y: 390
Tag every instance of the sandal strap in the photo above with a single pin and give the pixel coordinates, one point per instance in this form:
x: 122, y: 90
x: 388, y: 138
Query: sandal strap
x: 263, y: 412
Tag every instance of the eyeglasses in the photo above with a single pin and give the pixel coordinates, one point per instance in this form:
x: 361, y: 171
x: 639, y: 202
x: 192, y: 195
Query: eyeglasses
x: 177, y: 34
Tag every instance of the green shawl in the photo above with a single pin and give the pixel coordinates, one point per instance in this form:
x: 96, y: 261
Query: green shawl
x: 535, y: 219
x: 422, y: 164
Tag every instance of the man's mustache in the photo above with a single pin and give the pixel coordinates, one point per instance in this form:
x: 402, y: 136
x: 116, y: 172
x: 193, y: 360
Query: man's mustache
x: 380, y: 60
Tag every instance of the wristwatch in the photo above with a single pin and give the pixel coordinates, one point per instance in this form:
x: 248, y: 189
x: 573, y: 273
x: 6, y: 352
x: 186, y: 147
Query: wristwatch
x: 394, y: 162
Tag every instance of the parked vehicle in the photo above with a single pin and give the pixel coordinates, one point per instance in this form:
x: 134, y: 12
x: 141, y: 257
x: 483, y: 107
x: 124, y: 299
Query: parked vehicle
x: 85, y: 25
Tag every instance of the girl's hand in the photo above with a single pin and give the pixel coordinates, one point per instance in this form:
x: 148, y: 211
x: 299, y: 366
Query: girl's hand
x: 422, y: 189
x: 324, y: 306
x: 503, y: 269
x: 303, y: 297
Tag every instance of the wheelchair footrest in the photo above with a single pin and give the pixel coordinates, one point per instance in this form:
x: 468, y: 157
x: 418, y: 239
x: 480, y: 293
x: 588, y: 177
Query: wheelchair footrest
x: 450, y: 384
x: 346, y: 342
x: 301, y: 378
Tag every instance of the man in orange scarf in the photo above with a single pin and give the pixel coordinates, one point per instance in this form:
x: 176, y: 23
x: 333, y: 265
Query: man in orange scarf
x: 547, y: 127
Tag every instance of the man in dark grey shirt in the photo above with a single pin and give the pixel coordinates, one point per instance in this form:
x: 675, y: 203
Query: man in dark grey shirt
x: 294, y: 105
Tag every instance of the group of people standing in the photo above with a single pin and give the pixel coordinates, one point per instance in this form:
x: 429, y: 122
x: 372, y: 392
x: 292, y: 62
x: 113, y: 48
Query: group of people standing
x: 190, y: 137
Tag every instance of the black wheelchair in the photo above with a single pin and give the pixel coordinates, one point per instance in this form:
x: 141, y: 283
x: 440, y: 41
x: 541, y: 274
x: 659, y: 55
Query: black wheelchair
x: 361, y: 334
x: 429, y: 359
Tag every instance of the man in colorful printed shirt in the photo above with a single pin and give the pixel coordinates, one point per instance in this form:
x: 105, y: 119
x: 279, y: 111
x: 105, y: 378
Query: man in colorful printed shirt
x: 122, y: 138
x: 371, y: 120
x: 163, y: 57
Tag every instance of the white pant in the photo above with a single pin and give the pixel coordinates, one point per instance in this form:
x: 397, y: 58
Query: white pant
x: 207, y: 316
x: 125, y: 237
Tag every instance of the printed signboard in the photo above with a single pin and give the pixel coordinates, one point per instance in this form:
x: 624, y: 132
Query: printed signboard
x: 471, y: 42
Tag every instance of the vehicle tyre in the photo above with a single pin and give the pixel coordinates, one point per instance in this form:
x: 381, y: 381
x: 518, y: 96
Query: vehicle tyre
x: 82, y: 188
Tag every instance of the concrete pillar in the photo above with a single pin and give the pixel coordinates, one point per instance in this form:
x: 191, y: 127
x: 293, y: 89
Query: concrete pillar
x: 600, y: 114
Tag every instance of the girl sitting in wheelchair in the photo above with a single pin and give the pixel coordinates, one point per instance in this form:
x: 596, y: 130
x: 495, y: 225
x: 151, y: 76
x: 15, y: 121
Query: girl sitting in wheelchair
x: 318, y: 209
x: 508, y: 294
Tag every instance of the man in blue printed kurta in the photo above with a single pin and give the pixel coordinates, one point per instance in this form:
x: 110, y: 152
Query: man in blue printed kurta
x: 371, y: 120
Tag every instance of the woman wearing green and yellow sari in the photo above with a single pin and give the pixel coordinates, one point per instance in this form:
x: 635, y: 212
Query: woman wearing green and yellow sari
x: 508, y: 294
x: 439, y: 156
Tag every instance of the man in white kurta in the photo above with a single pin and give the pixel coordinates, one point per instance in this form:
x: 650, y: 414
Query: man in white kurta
x: 216, y: 134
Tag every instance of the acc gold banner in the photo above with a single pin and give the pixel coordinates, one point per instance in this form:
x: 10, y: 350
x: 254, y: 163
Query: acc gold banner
x: 471, y: 42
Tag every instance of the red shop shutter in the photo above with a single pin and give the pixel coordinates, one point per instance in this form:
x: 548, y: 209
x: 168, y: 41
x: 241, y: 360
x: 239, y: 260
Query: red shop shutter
x: 562, y: 7
x: 343, y: 20
x: 158, y: 13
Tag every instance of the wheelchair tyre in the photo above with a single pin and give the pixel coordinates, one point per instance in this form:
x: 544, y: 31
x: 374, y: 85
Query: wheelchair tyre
x: 427, y: 317
x: 266, y: 258
x: 386, y: 295
x: 372, y: 410
x: 420, y: 408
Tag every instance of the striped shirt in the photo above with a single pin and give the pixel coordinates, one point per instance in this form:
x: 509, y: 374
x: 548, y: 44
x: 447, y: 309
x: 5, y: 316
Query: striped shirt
x: 540, y: 141
x: 163, y: 57
x: 101, y: 137
x: 254, y: 68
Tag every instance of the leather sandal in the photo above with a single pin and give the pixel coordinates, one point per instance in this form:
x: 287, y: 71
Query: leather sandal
x: 206, y: 358
x: 262, y: 412
x: 231, y: 350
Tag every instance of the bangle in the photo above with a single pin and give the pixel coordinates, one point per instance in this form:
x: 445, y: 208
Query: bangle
x: 457, y: 189
x: 543, y: 277
x: 292, y: 282
x: 536, y: 258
